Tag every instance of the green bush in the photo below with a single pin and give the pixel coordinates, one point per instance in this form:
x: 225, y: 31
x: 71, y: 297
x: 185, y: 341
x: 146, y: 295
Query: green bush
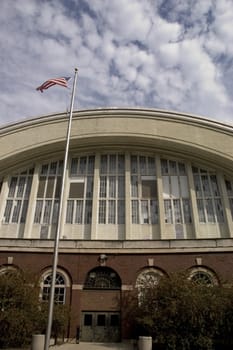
x: 21, y: 312
x: 180, y: 314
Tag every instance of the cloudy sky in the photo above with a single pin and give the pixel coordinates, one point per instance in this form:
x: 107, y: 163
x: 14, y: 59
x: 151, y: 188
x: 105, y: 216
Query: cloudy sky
x: 164, y: 54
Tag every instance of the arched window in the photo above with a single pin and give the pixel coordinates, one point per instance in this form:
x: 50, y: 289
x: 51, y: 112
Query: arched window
x: 209, y: 202
x: 102, y: 278
x: 60, y: 287
x: 18, y: 196
x: 203, y: 276
x: 148, y: 278
x: 47, y: 202
x: 177, y: 207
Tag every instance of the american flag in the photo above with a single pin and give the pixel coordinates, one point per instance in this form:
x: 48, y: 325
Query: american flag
x: 51, y: 82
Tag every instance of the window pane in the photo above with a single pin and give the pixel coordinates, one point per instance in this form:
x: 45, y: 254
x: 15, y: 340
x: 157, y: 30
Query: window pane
x: 47, y: 212
x: 21, y: 185
x: 114, y: 321
x: 69, y: 212
x: 111, y: 212
x: 177, y: 211
x: 91, y: 165
x: 201, y: 212
x: 112, y: 164
x: 41, y: 187
x: 103, y: 186
x: 219, y: 210
x: 175, y: 191
x: 154, y: 211
x: 58, y: 187
x: 38, y: 211
x: 149, y: 189
x: 166, y: 186
x: 102, y: 212
x: 121, y: 212
x: 24, y: 211
x: 79, y: 212
x: 12, y: 187
x: 214, y: 185
x: 53, y: 168
x: 134, y: 166
x: 172, y: 167
x: 168, y: 211
x: 209, y: 210
x: 88, y: 212
x: 121, y: 164
x: 164, y: 166
x: 88, y: 320
x: 135, y: 216
x: 142, y: 162
x: 205, y: 185
x: 101, y: 320
x: 82, y: 165
x: 231, y: 206
x: 197, y: 184
x: 76, y: 190
x: 151, y: 166
x: 55, y: 212
x: 112, y: 186
x: 8, y: 208
x: 134, y: 186
x: 144, y: 211
x: 187, y: 211
x: 184, y: 187
x: 17, y: 207
x: 50, y: 187
x: 121, y: 187
x: 89, y: 190
x: 103, y: 164
x: 74, y: 166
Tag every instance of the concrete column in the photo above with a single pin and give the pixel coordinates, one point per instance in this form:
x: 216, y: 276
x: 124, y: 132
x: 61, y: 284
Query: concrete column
x: 127, y: 198
x: 94, y: 223
x: 160, y: 199
x: 145, y: 343
x: 38, y: 341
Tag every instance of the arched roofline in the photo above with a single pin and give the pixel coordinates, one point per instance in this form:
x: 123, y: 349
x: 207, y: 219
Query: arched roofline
x: 175, y: 133
x: 146, y: 112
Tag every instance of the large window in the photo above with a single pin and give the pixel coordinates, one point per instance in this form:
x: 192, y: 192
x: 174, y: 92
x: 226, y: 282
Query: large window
x: 79, y: 204
x: 148, y: 278
x: 203, y: 276
x: 102, y: 278
x: 59, y: 291
x: 144, y: 203
x: 18, y: 196
x: 229, y: 187
x: 175, y: 192
x: 209, y: 203
x: 48, y: 194
x: 112, y: 189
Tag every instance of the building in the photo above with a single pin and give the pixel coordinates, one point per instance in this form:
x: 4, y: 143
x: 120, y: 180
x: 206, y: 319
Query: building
x: 148, y: 192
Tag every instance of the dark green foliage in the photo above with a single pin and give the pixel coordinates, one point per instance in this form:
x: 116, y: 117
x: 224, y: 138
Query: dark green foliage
x: 180, y: 314
x: 21, y: 312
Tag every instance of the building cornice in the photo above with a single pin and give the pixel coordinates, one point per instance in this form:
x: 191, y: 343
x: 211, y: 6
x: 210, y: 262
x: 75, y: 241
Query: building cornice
x: 118, y: 247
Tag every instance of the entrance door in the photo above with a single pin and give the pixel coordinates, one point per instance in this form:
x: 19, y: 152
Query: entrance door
x: 100, y: 327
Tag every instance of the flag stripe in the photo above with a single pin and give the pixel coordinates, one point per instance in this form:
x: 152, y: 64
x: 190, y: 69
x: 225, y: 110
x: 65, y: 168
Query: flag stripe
x: 55, y: 81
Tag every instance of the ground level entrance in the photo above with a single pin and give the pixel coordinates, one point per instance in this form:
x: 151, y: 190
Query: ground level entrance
x: 99, y: 326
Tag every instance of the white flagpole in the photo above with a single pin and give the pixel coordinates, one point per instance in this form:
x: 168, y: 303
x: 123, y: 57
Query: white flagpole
x: 58, y: 232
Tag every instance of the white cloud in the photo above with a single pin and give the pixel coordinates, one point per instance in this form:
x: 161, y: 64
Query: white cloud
x: 165, y: 54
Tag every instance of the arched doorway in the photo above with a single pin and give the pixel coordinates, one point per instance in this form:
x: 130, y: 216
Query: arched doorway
x: 100, y: 319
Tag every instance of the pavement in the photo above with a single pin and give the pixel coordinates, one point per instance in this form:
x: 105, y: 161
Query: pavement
x: 94, y: 346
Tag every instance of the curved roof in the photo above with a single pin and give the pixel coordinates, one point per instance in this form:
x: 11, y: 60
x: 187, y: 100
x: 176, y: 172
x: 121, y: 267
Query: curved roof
x: 183, y: 135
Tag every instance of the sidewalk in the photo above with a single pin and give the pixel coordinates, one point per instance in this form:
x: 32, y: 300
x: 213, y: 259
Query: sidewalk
x: 93, y: 346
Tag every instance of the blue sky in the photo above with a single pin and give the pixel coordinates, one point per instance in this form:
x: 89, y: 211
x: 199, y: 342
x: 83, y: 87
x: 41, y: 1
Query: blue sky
x: 163, y: 54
